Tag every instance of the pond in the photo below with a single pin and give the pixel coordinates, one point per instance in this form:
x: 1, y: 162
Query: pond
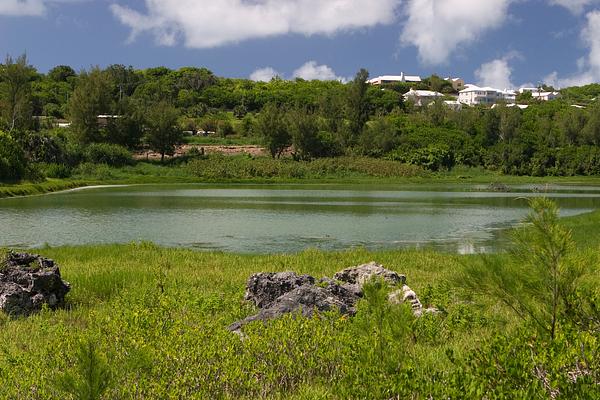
x: 280, y: 218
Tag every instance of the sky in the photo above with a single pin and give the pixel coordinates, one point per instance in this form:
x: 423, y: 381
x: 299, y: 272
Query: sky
x: 500, y: 43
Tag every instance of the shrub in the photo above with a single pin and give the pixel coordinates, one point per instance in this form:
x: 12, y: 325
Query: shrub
x: 12, y: 159
x: 53, y: 170
x: 109, y: 154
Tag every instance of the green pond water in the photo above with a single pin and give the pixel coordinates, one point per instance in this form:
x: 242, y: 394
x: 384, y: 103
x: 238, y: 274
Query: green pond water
x: 282, y: 218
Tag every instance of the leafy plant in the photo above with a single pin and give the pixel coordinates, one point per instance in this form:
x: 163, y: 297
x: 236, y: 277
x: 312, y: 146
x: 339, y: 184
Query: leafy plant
x: 91, y: 377
x: 540, y: 275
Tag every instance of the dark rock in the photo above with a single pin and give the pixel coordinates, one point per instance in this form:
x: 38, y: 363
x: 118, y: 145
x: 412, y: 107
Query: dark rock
x: 305, y: 299
x: 28, y: 281
x: 264, y: 288
x: 278, y: 293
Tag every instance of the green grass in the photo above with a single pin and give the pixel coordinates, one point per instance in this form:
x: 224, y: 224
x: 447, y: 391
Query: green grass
x: 158, y: 317
x: 30, y: 189
x: 243, y: 169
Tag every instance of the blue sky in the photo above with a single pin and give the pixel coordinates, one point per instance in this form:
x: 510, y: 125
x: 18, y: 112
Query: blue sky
x: 494, y: 42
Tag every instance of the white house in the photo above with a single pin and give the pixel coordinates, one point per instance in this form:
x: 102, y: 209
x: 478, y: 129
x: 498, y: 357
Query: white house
x: 380, y: 80
x: 474, y: 95
x: 539, y: 94
x: 422, y: 97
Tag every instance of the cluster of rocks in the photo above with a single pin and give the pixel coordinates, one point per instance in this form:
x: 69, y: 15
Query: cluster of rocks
x: 27, y: 282
x: 278, y: 293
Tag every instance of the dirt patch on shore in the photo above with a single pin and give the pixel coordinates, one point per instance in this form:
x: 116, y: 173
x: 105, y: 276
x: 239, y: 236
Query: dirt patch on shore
x: 229, y: 150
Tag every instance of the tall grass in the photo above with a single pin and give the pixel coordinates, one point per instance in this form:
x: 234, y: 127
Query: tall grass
x: 158, y: 316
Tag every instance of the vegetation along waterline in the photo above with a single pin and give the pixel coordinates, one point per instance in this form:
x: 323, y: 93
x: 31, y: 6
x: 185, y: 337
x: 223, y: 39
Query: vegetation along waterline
x: 60, y: 124
x: 143, y: 321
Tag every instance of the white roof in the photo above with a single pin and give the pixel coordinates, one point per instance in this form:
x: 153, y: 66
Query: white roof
x: 396, y: 78
x: 544, y: 94
x: 474, y: 88
x: 422, y: 93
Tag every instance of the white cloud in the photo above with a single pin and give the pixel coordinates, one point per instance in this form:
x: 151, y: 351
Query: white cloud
x: 589, y: 66
x: 575, y: 6
x: 497, y: 73
x: 264, y: 74
x: 208, y: 23
x: 312, y: 71
x: 438, y: 27
x: 27, y: 8
x: 22, y: 8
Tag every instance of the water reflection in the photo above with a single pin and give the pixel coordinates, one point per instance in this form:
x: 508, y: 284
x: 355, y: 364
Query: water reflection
x: 288, y: 218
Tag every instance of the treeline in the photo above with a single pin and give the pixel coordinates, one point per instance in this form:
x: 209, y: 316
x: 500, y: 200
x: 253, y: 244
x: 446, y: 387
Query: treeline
x: 152, y: 109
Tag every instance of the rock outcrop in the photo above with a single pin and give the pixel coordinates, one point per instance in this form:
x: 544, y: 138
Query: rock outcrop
x: 280, y: 293
x: 27, y: 282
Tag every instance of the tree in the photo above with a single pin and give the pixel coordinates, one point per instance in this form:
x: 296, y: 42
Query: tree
x: 61, y: 73
x: 12, y: 159
x: 273, y: 127
x: 15, y: 93
x: 358, y: 105
x: 91, y: 97
x: 163, y: 133
x: 305, y: 134
x: 591, y: 131
x: 539, y: 278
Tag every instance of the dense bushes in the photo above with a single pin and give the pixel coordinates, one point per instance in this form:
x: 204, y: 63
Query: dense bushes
x: 12, y: 159
x: 237, y: 168
x: 109, y: 154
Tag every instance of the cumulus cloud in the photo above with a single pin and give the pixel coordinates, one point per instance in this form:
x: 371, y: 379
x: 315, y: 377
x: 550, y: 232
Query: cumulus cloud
x: 575, y: 6
x: 589, y: 66
x: 27, y: 8
x: 312, y: 71
x: 496, y: 73
x: 309, y: 71
x: 208, y: 23
x: 264, y: 74
x: 438, y: 27
x: 22, y: 7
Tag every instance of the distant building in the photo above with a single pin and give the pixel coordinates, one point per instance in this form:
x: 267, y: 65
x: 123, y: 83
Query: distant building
x: 539, y: 94
x: 475, y: 95
x: 422, y: 97
x: 381, y: 80
x: 458, y: 84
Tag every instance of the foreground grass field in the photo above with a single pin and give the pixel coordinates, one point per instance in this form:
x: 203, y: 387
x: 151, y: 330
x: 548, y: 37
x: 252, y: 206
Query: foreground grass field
x: 145, y: 322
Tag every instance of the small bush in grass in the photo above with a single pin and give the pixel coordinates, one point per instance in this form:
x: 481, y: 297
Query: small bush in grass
x: 109, y: 154
x: 52, y: 170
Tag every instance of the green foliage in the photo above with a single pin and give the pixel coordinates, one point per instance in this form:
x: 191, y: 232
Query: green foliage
x: 272, y: 126
x: 15, y: 94
x: 540, y: 277
x: 239, y: 168
x: 12, y: 159
x: 109, y: 154
x: 91, y: 378
x: 163, y: 132
x: 357, y: 105
x: 60, y: 171
x: 91, y: 97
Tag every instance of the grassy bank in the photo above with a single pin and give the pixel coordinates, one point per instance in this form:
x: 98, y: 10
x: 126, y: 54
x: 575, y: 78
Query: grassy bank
x: 30, y: 189
x: 153, y: 321
x: 243, y: 169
